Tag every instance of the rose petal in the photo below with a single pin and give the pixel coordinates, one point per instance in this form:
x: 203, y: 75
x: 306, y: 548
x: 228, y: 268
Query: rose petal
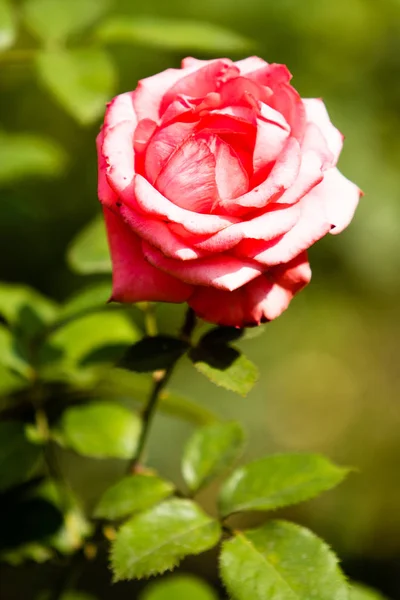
x: 312, y: 225
x: 279, y: 219
x: 316, y: 113
x: 134, y: 279
x: 152, y: 202
x: 199, y: 82
x: 310, y: 175
x: 250, y: 64
x: 272, y: 135
x: 222, y: 272
x: 162, y: 145
x: 106, y: 194
x: 188, y: 176
x: 230, y: 175
x: 340, y: 197
x: 262, y: 299
x: 315, y: 141
x: 282, y: 176
x: 159, y: 234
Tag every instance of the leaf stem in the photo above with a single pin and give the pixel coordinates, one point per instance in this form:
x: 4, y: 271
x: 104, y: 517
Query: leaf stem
x: 161, y: 379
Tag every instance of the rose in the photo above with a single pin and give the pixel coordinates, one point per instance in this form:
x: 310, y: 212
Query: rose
x: 215, y: 179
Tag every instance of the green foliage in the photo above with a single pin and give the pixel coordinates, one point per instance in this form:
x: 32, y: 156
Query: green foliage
x: 158, y: 539
x: 90, y: 299
x: 69, y: 347
x: 101, y: 430
x: 361, y: 592
x: 173, y: 34
x: 8, y: 31
x: 225, y: 366
x: 54, y: 21
x: 178, y: 587
x: 82, y: 80
x: 88, y: 253
x: 132, y: 494
x: 278, y: 480
x: 10, y: 355
x: 18, y: 302
x: 18, y: 457
x: 27, y: 155
x: 281, y: 561
x: 210, y: 451
x: 68, y: 595
x: 154, y: 353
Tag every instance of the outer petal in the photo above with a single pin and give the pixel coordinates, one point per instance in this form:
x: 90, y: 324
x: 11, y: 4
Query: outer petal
x: 159, y: 234
x: 117, y: 148
x: 272, y: 135
x: 312, y: 225
x: 150, y: 201
x: 262, y: 299
x: 134, y: 279
x: 340, y: 197
x: 222, y: 271
x: 279, y: 219
x: 106, y: 194
x: 316, y: 113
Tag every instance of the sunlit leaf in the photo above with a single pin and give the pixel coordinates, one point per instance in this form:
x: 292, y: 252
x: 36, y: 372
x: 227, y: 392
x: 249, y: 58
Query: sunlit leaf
x: 11, y: 356
x: 210, y: 451
x: 362, y: 592
x: 16, y: 299
x: 88, y: 253
x: 179, y: 587
x: 89, y: 299
x: 55, y: 20
x: 132, y: 494
x: 173, y: 34
x: 278, y: 480
x: 281, y: 561
x: 18, y: 457
x: 226, y: 367
x: 8, y: 31
x: 82, y: 80
x: 101, y: 430
x: 158, y: 539
x: 28, y: 155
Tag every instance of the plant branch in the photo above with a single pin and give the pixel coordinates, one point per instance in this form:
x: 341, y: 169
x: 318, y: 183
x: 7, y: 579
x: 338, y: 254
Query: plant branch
x: 161, y: 379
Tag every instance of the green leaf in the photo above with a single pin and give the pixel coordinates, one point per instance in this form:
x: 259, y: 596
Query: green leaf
x: 89, y: 299
x: 179, y: 587
x: 82, y: 80
x: 153, y: 353
x: 18, y: 458
x: 221, y: 335
x: 281, y: 561
x: 17, y: 300
x: 27, y: 155
x: 77, y: 339
x: 88, y: 253
x: 361, y: 592
x: 278, y: 480
x: 158, y: 539
x: 53, y: 21
x: 225, y: 366
x: 11, y: 356
x: 8, y: 30
x: 211, y: 450
x: 131, y: 494
x: 172, y: 34
x: 101, y: 430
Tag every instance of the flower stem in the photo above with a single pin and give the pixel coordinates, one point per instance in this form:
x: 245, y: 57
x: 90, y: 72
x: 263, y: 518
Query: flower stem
x: 161, y: 379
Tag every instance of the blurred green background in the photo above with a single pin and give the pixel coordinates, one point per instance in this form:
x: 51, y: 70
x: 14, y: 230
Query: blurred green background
x: 329, y: 366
